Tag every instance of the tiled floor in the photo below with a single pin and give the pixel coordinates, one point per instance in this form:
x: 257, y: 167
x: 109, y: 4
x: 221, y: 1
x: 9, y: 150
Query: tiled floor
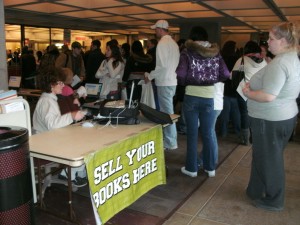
x: 222, y: 200
x: 217, y: 201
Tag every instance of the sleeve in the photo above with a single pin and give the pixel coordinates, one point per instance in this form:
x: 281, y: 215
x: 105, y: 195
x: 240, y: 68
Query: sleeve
x: 224, y: 73
x: 127, y: 69
x: 274, y: 77
x: 161, y: 58
x: 182, y: 68
x: 61, y: 60
x: 237, y: 64
x: 82, y: 69
x: 52, y: 116
x: 114, y: 72
x: 102, y: 70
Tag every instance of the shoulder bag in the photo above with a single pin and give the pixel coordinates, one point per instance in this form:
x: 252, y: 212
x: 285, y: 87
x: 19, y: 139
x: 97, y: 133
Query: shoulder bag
x: 238, y: 75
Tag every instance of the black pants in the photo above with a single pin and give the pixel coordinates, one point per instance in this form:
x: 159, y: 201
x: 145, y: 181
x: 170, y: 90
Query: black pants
x: 267, y: 179
x: 244, y: 112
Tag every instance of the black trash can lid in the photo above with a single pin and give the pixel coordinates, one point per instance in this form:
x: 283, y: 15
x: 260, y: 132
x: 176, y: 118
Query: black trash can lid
x: 11, y: 136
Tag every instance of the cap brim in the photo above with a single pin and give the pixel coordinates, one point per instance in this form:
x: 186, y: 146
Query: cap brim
x: 153, y: 26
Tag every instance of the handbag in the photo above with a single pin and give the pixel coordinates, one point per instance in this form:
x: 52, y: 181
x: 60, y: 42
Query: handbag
x: 237, y: 75
x: 118, y: 112
x: 147, y: 96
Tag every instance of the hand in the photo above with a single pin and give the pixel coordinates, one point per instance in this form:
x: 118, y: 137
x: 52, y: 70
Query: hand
x: 246, y: 89
x: 146, y: 77
x: 76, y: 101
x: 81, y: 91
x: 77, y: 115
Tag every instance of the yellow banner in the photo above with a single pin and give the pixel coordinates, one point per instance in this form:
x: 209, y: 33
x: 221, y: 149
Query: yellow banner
x: 121, y: 173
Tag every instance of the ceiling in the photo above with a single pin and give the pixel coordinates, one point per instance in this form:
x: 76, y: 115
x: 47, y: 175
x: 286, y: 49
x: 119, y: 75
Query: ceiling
x: 136, y: 16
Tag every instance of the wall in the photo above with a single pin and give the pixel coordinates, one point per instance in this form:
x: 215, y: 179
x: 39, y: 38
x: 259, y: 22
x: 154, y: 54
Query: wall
x: 3, y: 64
x: 240, y: 39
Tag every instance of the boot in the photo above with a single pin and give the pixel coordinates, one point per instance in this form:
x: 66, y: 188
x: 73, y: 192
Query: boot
x: 245, y: 135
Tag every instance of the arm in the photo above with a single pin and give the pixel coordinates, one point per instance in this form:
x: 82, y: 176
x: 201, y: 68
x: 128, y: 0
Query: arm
x: 235, y: 67
x: 61, y: 60
x: 82, y: 70
x: 182, y: 68
x: 161, y: 58
x: 102, y: 70
x: 224, y: 73
x: 127, y: 70
x: 259, y: 95
x: 53, y: 119
x: 114, y: 72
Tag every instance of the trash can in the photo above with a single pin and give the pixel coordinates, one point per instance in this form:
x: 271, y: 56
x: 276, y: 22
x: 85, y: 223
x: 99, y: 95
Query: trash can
x: 16, y: 198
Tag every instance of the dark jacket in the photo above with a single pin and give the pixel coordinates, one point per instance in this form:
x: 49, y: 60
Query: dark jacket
x: 201, y: 65
x: 137, y: 64
x: 152, y: 52
x: 93, y: 62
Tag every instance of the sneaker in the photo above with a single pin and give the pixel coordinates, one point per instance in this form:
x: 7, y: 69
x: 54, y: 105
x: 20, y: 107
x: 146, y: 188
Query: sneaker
x: 211, y: 173
x: 79, y: 182
x: 186, y: 172
x: 169, y: 149
x: 61, y: 177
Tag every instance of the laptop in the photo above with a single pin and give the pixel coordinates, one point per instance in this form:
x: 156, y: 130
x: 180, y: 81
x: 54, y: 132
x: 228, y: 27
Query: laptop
x: 92, y: 101
x: 14, y: 82
x: 93, y: 90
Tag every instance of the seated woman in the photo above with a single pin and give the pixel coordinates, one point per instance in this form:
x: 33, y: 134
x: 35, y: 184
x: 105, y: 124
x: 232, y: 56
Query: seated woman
x: 47, y: 115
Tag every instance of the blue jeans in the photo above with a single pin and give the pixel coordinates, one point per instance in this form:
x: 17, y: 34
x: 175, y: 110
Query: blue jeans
x: 230, y: 112
x: 181, y: 121
x: 203, y: 109
x: 165, y: 99
x: 216, y: 150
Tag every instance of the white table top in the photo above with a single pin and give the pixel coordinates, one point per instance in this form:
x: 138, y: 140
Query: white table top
x: 70, y: 144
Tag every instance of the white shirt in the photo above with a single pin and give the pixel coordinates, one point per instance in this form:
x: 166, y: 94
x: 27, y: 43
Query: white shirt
x: 110, y: 76
x: 167, y: 59
x: 47, y: 115
x: 218, y: 96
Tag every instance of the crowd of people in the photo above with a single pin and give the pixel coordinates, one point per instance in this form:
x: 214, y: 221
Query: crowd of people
x: 197, y: 75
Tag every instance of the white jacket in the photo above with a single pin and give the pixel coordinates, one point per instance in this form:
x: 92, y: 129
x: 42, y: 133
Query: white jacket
x: 109, y: 76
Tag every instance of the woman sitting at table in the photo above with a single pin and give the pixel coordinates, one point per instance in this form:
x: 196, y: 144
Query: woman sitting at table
x: 47, y: 115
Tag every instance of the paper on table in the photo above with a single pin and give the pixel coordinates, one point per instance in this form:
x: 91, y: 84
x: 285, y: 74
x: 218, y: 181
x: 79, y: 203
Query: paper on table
x: 240, y: 89
x: 76, y: 80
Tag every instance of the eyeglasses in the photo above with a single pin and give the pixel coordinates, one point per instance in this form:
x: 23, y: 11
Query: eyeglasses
x: 60, y: 83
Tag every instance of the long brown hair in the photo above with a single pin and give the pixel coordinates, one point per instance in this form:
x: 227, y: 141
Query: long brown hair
x: 115, y: 53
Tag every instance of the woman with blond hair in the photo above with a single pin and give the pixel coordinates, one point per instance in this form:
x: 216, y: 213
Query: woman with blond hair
x: 272, y: 109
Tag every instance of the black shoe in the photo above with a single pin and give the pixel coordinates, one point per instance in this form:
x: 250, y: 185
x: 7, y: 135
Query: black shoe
x: 79, y: 182
x: 181, y: 132
x: 61, y: 177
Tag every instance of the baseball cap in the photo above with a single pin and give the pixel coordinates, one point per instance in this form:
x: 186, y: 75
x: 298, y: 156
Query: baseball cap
x: 76, y: 44
x: 161, y: 24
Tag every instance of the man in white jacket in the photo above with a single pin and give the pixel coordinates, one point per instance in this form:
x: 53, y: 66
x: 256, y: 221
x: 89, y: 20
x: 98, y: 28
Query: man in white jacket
x: 167, y: 59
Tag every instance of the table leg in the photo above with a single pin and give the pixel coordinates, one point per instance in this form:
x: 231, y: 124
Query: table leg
x: 71, y: 210
x: 41, y: 202
x: 33, y: 180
